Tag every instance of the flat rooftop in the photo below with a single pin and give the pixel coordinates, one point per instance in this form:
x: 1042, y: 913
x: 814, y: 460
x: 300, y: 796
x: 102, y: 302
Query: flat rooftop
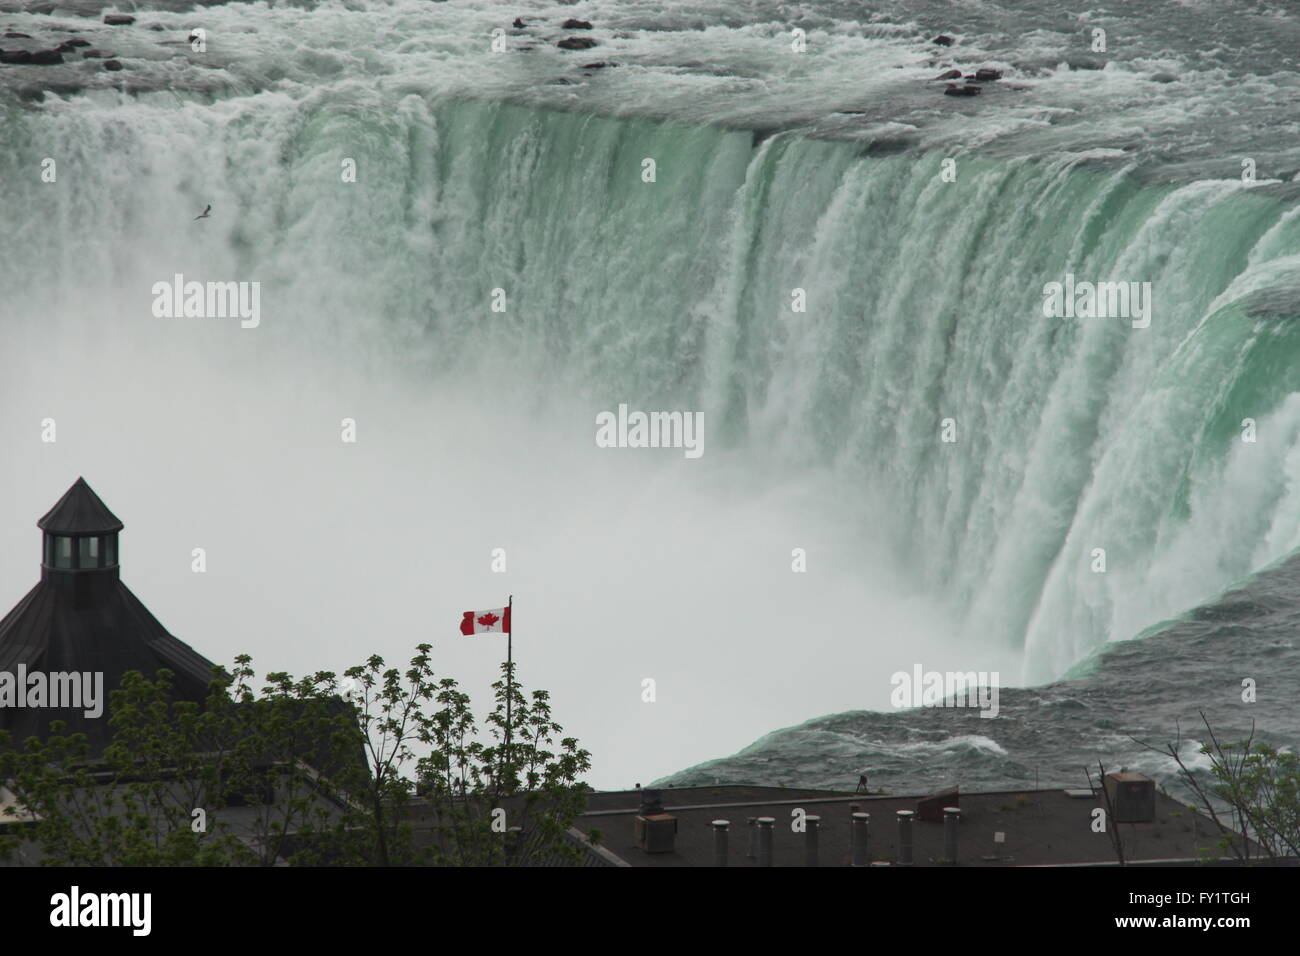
x: 1036, y: 828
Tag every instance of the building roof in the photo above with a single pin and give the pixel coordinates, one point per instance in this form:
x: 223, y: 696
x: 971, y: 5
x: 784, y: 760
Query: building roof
x: 87, y: 621
x: 79, y: 512
x: 51, y: 632
x: 1037, y: 827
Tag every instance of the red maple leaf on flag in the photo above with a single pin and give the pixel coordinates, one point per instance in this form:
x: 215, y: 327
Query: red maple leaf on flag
x: 489, y: 619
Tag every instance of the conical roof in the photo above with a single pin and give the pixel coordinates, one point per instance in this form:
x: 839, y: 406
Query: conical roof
x: 79, y: 511
x: 88, y: 622
x: 50, y: 632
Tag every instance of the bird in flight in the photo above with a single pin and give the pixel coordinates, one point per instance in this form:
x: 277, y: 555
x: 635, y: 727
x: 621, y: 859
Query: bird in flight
x: 204, y: 214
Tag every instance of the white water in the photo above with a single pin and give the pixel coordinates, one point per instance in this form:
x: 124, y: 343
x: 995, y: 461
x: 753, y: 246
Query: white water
x: 476, y: 427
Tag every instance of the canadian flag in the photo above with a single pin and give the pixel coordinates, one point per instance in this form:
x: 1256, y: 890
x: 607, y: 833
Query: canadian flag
x: 496, y: 621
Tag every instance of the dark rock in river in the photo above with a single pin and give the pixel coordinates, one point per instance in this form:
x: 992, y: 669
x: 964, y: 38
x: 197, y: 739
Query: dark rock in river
x: 112, y: 65
x: 118, y: 19
x: 18, y: 36
x: 576, y: 25
x: 985, y: 76
x: 950, y: 75
x: 518, y: 24
x: 943, y: 40
x: 576, y: 43
x: 954, y: 90
x: 25, y: 58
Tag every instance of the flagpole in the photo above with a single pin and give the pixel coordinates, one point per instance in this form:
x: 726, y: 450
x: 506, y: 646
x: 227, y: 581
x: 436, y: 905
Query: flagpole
x: 510, y: 638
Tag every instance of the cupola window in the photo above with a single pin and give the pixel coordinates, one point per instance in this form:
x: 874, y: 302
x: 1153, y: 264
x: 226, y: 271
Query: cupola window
x: 80, y: 532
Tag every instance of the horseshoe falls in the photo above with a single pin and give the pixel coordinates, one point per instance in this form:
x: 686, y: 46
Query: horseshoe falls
x: 471, y: 253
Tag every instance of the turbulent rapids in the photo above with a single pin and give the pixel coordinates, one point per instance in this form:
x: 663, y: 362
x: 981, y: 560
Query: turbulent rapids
x: 992, y: 451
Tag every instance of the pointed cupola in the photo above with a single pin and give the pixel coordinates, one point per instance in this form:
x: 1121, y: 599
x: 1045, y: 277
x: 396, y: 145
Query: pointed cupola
x: 80, y: 533
x: 80, y: 618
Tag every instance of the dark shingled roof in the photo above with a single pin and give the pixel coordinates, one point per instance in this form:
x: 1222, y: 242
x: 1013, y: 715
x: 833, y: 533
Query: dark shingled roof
x: 79, y: 511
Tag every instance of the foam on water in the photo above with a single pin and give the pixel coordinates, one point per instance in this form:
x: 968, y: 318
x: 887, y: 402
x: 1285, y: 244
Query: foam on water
x: 1187, y: 90
x: 477, y: 172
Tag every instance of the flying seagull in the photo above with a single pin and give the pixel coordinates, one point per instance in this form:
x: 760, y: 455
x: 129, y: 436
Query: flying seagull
x: 204, y: 214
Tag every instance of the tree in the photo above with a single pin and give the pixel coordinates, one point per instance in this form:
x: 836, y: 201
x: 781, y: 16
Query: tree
x: 222, y: 783
x: 1112, y: 823
x: 301, y: 774
x: 1255, y: 786
x: 516, y: 787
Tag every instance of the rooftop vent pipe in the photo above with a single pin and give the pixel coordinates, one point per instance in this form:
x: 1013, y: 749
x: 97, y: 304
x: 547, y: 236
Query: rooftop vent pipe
x: 905, y: 837
x: 765, y: 825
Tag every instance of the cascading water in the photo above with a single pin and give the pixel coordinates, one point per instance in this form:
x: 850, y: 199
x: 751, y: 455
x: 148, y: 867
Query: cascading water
x: 922, y: 311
